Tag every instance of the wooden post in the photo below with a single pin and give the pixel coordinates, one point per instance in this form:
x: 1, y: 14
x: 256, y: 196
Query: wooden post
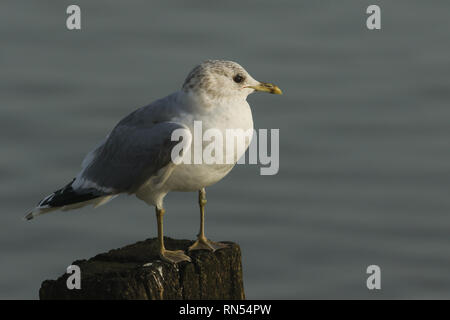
x: 136, y: 272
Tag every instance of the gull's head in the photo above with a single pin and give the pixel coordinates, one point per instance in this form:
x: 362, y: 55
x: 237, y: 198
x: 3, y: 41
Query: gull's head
x: 219, y: 79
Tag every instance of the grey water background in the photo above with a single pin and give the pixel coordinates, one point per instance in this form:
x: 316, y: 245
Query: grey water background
x: 364, y: 138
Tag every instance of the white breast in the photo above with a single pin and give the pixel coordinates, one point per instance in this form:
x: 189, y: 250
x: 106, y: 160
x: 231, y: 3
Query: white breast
x: 192, y: 177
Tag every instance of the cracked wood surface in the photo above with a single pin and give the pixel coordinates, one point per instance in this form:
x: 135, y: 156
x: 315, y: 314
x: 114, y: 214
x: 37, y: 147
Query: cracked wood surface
x: 136, y: 272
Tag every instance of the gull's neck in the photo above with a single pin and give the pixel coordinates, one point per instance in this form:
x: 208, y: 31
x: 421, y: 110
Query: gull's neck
x: 204, y: 100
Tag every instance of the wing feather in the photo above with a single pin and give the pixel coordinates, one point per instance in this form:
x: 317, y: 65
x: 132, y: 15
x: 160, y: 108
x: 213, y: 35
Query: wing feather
x: 129, y: 157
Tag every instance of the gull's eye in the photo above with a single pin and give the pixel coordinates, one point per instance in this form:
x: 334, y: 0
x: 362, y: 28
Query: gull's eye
x: 238, y: 78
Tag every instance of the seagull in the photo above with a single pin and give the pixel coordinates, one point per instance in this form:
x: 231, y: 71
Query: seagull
x: 136, y: 157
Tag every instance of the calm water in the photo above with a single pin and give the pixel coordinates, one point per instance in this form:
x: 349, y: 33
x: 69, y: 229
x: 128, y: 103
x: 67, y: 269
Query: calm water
x: 364, y: 138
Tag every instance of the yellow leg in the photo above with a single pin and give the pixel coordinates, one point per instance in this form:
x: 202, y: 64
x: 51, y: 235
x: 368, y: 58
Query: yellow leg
x: 167, y: 255
x: 202, y: 243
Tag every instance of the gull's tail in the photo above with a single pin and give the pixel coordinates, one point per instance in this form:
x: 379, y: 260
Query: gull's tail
x: 68, y: 198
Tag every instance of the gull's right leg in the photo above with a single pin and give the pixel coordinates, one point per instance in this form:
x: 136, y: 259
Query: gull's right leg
x: 167, y: 255
x: 202, y: 243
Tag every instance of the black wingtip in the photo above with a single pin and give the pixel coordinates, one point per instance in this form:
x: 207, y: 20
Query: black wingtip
x: 28, y: 216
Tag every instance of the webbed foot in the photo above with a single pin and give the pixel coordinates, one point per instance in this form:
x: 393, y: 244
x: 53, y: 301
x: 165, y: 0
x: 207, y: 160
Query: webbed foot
x: 205, y: 244
x: 174, y: 256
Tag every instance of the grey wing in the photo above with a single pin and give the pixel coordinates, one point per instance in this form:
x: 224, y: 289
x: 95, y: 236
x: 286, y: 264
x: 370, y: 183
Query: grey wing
x: 130, y: 156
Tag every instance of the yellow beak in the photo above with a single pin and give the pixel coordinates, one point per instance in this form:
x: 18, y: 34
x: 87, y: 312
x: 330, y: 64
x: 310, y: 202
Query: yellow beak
x: 266, y: 87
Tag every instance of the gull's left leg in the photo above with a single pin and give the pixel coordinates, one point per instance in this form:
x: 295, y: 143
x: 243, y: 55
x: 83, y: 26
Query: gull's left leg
x: 202, y: 243
x: 167, y: 255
